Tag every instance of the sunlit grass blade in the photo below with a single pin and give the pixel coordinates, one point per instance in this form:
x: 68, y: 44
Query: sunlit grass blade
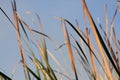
x: 101, y: 44
x: 69, y: 49
x: 91, y: 55
x: 19, y: 39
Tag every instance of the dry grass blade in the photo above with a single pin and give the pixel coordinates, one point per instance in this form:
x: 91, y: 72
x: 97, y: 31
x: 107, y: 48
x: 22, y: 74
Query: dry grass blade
x: 70, y: 49
x: 19, y: 39
x: 100, y: 43
x: 91, y: 55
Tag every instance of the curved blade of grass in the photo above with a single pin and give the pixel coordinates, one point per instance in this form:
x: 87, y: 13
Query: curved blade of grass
x: 101, y: 43
x: 69, y: 49
x: 84, y: 41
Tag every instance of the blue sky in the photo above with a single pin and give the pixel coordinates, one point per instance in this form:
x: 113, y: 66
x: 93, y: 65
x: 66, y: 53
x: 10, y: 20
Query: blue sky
x: 47, y: 10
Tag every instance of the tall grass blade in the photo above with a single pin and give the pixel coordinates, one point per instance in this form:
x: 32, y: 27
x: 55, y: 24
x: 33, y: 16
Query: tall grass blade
x: 91, y: 55
x: 70, y: 49
x: 101, y: 43
x: 27, y: 76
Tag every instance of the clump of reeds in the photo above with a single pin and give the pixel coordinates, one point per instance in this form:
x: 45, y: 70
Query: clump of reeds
x: 95, y: 63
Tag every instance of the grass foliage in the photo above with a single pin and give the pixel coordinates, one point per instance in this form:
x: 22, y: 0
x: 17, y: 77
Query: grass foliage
x: 97, y: 65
